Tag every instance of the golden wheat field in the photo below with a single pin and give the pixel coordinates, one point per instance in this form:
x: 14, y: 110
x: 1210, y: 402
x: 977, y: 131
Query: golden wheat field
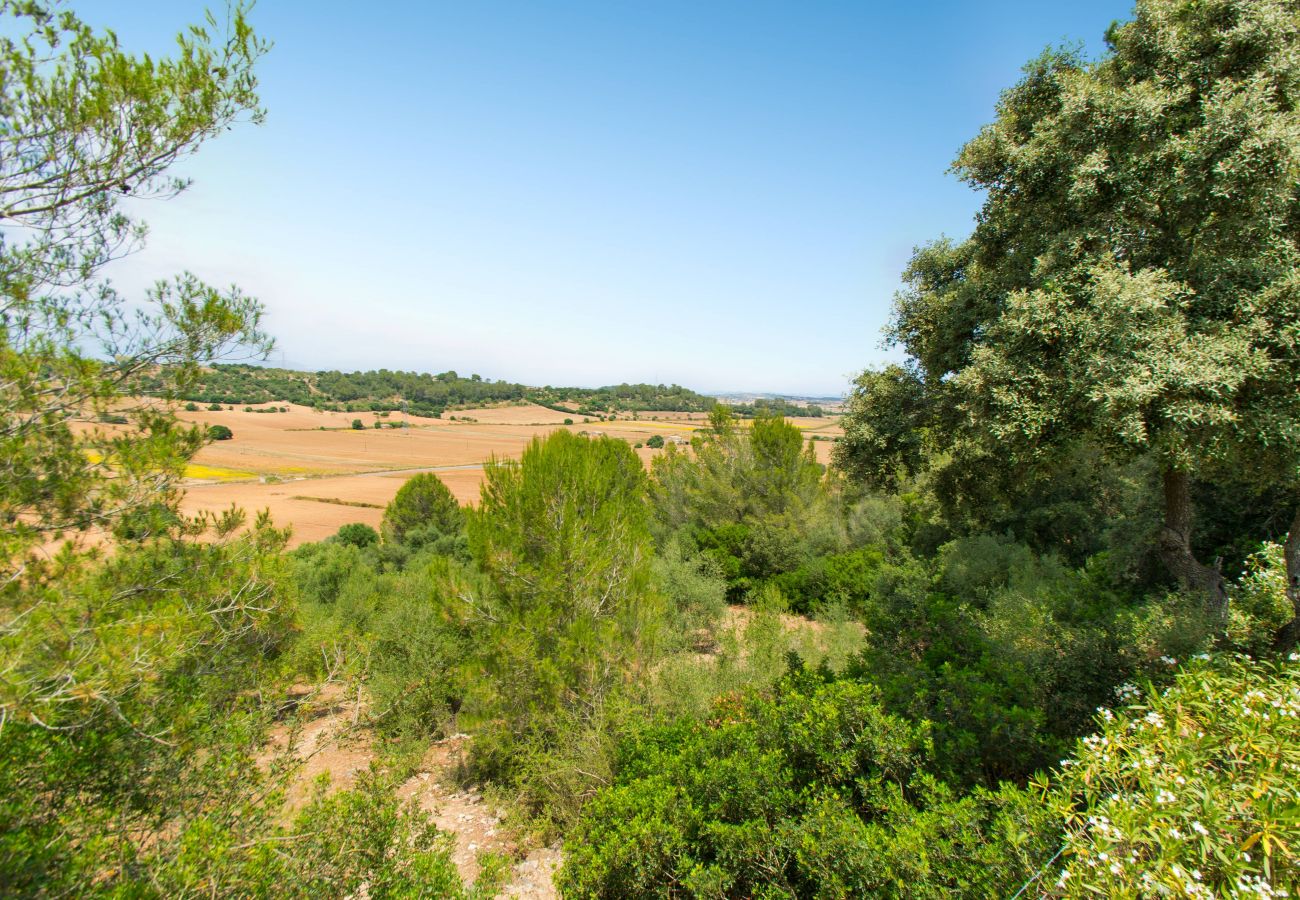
x: 315, y: 472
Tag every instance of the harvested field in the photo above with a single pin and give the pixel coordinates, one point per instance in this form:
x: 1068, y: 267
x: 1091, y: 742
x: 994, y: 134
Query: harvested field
x: 313, y: 471
x: 524, y: 414
x: 318, y: 507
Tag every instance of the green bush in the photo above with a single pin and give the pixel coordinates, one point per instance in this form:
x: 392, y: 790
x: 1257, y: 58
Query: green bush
x: 656, y: 441
x: 358, y: 534
x: 423, y: 512
x: 1190, y: 792
x: 219, y: 433
x: 418, y: 644
x: 568, y: 614
x: 358, y: 425
x: 810, y: 791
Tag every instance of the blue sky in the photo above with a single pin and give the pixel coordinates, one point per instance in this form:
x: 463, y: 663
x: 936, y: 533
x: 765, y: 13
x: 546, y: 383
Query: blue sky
x: 716, y: 194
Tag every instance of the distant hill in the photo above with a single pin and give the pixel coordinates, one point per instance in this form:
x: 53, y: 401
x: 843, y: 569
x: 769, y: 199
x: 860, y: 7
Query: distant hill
x: 425, y: 394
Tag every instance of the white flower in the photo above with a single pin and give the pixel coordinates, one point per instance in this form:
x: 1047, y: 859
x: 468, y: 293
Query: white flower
x: 1200, y: 829
x: 1165, y: 797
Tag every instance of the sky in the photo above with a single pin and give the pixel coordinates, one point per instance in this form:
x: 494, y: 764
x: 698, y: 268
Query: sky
x: 721, y: 195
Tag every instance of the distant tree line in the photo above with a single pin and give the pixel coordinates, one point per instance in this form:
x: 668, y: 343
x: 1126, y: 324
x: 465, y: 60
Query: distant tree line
x: 422, y: 393
x: 778, y: 406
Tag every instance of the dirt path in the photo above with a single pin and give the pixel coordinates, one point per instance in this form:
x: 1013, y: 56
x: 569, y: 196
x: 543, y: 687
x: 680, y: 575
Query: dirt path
x: 475, y: 825
x: 331, y: 743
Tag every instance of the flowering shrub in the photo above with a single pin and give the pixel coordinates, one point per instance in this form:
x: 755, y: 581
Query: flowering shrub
x: 1259, y: 606
x: 1191, y: 792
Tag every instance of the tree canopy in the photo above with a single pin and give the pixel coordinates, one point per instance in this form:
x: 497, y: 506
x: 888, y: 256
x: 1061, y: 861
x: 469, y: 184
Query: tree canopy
x: 1131, y: 280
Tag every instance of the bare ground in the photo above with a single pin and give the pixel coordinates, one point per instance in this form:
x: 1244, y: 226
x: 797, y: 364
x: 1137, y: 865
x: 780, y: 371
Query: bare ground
x: 333, y: 743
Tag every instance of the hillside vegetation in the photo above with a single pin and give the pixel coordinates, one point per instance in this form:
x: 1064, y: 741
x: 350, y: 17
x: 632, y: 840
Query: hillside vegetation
x: 420, y: 393
x: 1033, y: 633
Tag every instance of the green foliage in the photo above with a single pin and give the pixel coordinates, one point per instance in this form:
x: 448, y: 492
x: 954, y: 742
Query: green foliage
x: 219, y: 433
x: 323, y: 569
x: 810, y: 791
x: 70, y: 346
x: 1191, y: 791
x: 655, y: 442
x: 1005, y: 652
x: 696, y: 594
x: 752, y: 500
x: 1129, y: 287
x: 562, y: 537
x: 423, y: 512
x: 1260, y: 607
x: 421, y: 393
x: 358, y: 425
x: 358, y: 534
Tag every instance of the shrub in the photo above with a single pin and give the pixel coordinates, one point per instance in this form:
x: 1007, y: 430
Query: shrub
x: 219, y: 433
x: 423, y: 511
x: 417, y: 651
x: 568, y: 421
x: 562, y: 537
x: 810, y: 791
x: 358, y: 534
x: 191, y: 407
x: 358, y: 425
x: 656, y: 441
x: 1192, y: 791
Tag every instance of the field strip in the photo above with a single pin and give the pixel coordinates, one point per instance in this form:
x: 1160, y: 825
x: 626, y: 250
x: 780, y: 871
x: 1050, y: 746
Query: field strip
x: 370, y: 473
x: 338, y: 502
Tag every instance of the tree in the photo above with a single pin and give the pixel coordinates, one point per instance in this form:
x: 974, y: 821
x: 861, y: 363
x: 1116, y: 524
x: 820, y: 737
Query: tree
x: 562, y: 538
x: 423, y: 510
x: 1132, y: 278
x: 86, y: 126
x: 358, y: 534
x: 358, y: 425
x: 655, y: 442
x: 219, y: 433
x: 749, y: 498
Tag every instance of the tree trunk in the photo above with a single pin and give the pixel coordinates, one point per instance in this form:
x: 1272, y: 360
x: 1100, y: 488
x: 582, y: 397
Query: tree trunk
x: 1289, y: 636
x: 1175, y: 544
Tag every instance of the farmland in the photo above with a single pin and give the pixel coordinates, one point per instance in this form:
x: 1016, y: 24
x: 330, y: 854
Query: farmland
x: 313, y: 470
